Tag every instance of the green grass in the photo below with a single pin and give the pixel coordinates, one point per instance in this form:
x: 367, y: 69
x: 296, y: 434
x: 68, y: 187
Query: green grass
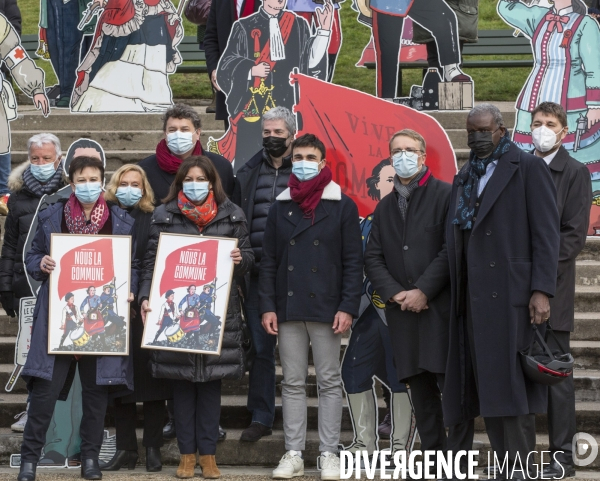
x: 490, y: 84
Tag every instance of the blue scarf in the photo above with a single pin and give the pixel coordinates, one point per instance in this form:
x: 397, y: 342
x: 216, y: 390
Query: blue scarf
x: 36, y: 187
x: 469, y: 179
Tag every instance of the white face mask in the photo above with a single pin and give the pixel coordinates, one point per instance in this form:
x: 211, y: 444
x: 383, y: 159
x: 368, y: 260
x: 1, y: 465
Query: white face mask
x: 406, y: 164
x: 544, y: 139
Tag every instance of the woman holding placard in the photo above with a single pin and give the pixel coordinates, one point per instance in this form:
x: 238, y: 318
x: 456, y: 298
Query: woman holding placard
x: 49, y: 376
x: 197, y: 205
x: 130, y: 189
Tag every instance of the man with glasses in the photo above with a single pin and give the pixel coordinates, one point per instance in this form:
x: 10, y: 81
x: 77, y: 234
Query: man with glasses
x: 503, y: 238
x: 407, y: 264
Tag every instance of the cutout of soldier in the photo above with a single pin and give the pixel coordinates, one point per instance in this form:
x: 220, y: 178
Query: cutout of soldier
x: 254, y: 71
x: 168, y: 316
x: 370, y: 353
x: 70, y: 318
x: 433, y: 15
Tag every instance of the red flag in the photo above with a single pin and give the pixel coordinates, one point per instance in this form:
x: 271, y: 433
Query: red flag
x: 87, y: 265
x: 356, y: 128
x: 193, y: 264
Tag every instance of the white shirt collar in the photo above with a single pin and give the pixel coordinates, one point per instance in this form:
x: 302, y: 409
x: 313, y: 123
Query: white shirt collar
x: 564, y: 11
x: 550, y: 157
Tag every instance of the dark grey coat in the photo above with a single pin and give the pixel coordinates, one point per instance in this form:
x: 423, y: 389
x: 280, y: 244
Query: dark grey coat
x: 574, y: 198
x: 407, y: 254
x: 229, y: 222
x: 513, y: 251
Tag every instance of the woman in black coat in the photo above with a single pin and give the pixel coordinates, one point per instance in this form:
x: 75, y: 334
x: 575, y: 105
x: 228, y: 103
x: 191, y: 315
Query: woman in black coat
x: 129, y: 187
x: 197, y: 205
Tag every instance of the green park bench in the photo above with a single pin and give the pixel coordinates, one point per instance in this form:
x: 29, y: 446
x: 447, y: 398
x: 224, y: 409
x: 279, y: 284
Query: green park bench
x: 188, y: 49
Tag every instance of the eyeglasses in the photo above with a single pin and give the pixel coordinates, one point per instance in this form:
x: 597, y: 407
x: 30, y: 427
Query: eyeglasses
x: 408, y: 151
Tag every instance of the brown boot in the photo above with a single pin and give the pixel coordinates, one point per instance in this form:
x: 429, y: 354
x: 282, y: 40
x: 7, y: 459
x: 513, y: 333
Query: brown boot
x: 187, y: 463
x: 209, y: 467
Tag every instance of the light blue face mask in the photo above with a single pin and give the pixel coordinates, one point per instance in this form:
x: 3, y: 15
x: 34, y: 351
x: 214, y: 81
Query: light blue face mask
x: 406, y: 164
x: 88, y: 192
x: 305, y: 169
x: 128, y: 195
x: 196, y: 191
x: 180, y: 142
x: 44, y: 172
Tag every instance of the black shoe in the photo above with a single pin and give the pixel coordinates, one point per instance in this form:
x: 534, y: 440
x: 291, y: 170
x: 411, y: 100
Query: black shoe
x: 169, y: 429
x: 558, y: 470
x: 27, y: 471
x: 153, y: 461
x: 120, y: 459
x: 90, y: 469
x: 254, y: 432
x: 222, y: 434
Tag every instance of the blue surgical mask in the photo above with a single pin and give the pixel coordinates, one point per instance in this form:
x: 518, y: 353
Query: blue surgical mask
x: 44, y: 172
x: 180, y: 142
x: 305, y: 169
x: 88, y: 192
x: 406, y: 164
x: 128, y: 195
x: 196, y: 191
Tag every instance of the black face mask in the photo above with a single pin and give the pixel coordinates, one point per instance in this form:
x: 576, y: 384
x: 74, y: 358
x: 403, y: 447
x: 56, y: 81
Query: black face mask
x: 481, y: 144
x: 275, y: 146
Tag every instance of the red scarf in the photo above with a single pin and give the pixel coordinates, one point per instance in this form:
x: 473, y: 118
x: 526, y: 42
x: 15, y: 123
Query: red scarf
x: 167, y: 161
x: 308, y: 194
x: 200, y: 215
x: 75, y: 217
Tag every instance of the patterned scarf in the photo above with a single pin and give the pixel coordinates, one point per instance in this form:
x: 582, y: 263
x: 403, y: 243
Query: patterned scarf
x: 200, y: 215
x: 39, y: 189
x: 75, y: 217
x: 308, y: 194
x: 404, y: 191
x: 469, y: 179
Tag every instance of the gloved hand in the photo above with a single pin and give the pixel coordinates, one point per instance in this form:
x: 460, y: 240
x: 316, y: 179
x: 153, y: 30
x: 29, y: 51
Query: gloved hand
x: 8, y: 298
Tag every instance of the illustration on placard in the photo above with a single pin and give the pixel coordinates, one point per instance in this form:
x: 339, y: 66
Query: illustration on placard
x: 254, y: 70
x: 28, y: 77
x: 564, y: 41
x: 189, y: 294
x: 89, y: 312
x: 26, y: 307
x: 448, y: 88
x: 133, y: 52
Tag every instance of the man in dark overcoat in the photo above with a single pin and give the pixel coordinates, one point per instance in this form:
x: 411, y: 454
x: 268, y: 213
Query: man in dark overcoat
x: 502, y: 237
x: 573, y: 198
x: 407, y: 264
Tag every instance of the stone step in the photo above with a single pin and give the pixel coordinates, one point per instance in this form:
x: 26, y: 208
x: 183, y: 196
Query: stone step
x: 586, y: 354
x: 591, y: 250
x: 587, y: 326
x: 587, y: 298
x: 587, y: 273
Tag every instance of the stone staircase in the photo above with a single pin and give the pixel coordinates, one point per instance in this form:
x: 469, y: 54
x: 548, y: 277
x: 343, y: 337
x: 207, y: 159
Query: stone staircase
x: 129, y: 138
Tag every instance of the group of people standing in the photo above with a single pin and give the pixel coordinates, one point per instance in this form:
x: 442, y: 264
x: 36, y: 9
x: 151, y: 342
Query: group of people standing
x: 461, y: 271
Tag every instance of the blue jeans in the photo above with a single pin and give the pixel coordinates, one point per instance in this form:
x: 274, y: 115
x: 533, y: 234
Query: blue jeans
x: 64, y: 42
x: 261, y: 391
x: 4, y: 173
x: 369, y: 354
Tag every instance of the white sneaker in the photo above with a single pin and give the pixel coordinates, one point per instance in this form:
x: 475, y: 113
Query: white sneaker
x: 330, y: 466
x: 19, y: 426
x: 290, y: 466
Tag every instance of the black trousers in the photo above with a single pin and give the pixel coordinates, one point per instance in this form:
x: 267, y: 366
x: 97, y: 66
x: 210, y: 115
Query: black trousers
x: 561, y: 405
x: 426, y: 394
x: 43, y: 395
x: 198, y: 407
x: 434, y: 15
x: 125, y: 424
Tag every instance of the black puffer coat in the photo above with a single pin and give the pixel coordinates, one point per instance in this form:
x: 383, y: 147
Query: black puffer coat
x: 22, y: 205
x: 229, y: 222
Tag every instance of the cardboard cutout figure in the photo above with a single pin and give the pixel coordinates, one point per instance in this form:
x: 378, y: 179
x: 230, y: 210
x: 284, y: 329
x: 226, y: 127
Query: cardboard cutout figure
x: 566, y: 71
x: 369, y: 354
x: 132, y: 55
x: 254, y: 70
x: 27, y: 76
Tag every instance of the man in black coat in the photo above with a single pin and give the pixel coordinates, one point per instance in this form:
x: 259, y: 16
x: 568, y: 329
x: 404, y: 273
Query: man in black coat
x: 182, y: 128
x: 502, y: 237
x: 407, y: 264
x: 573, y: 198
x: 309, y: 291
x: 260, y: 181
x: 221, y: 16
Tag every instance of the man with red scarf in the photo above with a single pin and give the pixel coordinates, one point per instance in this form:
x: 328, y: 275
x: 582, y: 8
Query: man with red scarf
x: 310, y: 283
x: 182, y: 129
